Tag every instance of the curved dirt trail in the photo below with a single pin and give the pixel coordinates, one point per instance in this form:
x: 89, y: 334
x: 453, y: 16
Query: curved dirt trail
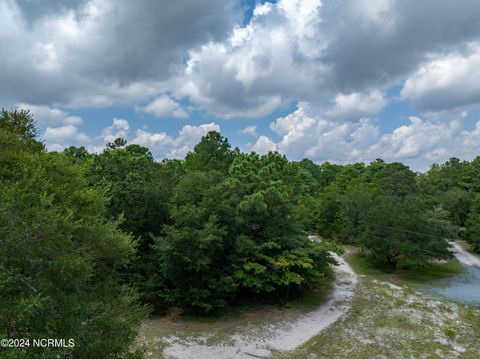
x: 259, y: 341
x: 464, y: 256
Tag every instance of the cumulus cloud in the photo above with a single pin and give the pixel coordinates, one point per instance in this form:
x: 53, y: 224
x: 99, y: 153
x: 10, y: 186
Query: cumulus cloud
x: 322, y: 51
x: 336, y: 60
x: 357, y: 105
x: 163, y: 145
x: 98, y: 52
x: 264, y: 145
x: 418, y: 143
x: 118, y: 128
x: 250, y: 130
x: 164, y: 106
x: 446, y: 82
x: 50, y: 115
x: 68, y: 134
x: 261, y: 66
x: 322, y: 139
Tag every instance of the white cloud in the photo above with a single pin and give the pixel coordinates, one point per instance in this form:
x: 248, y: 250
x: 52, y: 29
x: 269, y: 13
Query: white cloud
x: 68, y: 134
x: 264, y: 145
x: 250, y: 130
x: 417, y: 144
x: 164, y: 106
x: 118, y: 128
x: 50, y: 115
x: 100, y: 52
x: 262, y: 66
x: 163, y: 145
x: 357, y: 105
x: 321, y: 52
x: 303, y: 135
x: 446, y: 82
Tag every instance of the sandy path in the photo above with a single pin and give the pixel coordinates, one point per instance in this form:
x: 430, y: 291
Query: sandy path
x: 283, y: 336
x: 464, y: 256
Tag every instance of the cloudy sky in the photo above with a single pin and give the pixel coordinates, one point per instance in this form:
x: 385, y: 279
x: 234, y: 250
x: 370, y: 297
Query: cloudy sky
x: 329, y: 80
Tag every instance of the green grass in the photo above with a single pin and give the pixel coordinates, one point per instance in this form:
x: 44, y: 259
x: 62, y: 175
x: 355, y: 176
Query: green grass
x: 395, y: 323
x: 433, y: 272
x: 362, y: 265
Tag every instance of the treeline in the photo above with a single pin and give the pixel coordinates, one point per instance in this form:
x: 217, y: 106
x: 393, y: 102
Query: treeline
x: 218, y: 227
x: 91, y: 242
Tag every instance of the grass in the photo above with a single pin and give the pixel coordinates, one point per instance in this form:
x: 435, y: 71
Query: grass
x: 396, y: 322
x: 361, y: 264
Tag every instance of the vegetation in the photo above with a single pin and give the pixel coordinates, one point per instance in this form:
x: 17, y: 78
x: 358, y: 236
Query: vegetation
x: 89, y: 241
x: 59, y: 255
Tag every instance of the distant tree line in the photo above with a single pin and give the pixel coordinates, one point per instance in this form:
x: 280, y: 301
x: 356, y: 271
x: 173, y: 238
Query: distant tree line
x: 90, y: 242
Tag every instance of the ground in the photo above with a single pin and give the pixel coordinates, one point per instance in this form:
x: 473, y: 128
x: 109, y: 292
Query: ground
x: 393, y: 321
x: 389, y: 318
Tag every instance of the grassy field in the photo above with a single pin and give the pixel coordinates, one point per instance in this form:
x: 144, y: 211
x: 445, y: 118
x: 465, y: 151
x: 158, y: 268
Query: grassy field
x: 389, y: 319
x: 361, y: 265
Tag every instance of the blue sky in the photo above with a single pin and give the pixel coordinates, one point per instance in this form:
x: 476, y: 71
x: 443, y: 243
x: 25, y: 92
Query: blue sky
x: 326, y: 80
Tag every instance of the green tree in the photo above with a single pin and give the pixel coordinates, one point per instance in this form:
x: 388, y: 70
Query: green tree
x: 236, y: 236
x: 405, y: 233
x: 213, y: 152
x: 275, y: 257
x: 472, y: 225
x: 59, y: 257
x: 194, y: 254
x: 329, y: 213
x: 393, y: 179
x: 457, y: 202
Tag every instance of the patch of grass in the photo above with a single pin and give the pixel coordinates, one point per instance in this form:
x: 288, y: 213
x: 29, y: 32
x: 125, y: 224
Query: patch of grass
x: 432, y: 272
x: 385, y: 323
x: 450, y: 332
x: 361, y: 263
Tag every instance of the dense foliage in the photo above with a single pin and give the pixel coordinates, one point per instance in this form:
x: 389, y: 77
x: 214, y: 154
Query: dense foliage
x: 393, y: 213
x: 217, y: 227
x: 58, y: 255
x: 79, y: 230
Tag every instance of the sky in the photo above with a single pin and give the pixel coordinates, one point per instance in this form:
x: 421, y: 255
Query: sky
x: 339, y: 81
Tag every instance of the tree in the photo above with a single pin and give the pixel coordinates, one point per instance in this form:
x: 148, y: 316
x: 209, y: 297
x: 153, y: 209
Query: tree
x: 59, y: 257
x: 393, y: 179
x: 136, y: 187
x: 330, y: 222
x: 405, y: 233
x: 235, y: 235
x: 213, y: 152
x: 117, y: 143
x: 193, y: 255
x: 472, y: 225
x: 457, y: 202
x: 275, y: 257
